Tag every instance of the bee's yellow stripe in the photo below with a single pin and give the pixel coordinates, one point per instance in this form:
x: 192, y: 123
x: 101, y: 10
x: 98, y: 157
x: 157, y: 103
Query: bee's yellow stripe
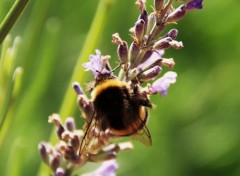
x: 105, y: 85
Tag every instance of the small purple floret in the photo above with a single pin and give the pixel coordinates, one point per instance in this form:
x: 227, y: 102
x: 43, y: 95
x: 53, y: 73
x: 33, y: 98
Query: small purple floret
x: 194, y: 4
x: 162, y: 84
x: 59, y: 172
x: 77, y: 88
x: 95, y: 64
x: 108, y: 168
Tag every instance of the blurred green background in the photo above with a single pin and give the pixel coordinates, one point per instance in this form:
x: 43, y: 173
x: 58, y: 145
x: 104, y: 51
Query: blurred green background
x: 195, y: 129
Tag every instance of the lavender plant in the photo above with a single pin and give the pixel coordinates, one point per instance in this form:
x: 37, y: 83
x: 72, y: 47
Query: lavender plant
x: 140, y: 62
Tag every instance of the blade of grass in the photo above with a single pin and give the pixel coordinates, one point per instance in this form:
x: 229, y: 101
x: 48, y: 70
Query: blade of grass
x: 11, y: 18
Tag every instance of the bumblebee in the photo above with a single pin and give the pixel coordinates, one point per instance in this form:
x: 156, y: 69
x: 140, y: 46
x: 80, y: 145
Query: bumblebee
x: 121, y: 108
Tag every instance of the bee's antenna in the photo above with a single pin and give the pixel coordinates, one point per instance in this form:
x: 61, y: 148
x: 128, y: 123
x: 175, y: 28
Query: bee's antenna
x: 96, y: 70
x: 119, y: 65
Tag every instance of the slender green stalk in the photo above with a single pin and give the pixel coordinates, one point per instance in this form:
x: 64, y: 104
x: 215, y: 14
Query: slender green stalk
x: 11, y: 18
x: 69, y: 102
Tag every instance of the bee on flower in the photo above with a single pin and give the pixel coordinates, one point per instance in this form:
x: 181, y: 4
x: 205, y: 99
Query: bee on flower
x: 120, y: 96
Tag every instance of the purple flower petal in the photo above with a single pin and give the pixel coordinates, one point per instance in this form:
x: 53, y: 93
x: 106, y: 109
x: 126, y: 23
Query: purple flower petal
x: 154, y: 59
x: 96, y: 64
x: 194, y: 4
x: 157, y: 54
x: 108, y: 168
x: 162, y: 84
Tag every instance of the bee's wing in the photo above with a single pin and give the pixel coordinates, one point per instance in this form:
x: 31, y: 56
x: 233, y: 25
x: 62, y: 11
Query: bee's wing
x: 89, y: 136
x: 143, y: 136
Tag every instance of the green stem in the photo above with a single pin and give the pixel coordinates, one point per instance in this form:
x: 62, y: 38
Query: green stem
x: 69, y: 103
x: 11, y: 18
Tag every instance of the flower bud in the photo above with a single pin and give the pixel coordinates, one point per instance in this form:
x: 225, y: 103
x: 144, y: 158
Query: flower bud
x: 116, y: 39
x: 168, y: 62
x: 43, y: 152
x: 162, y: 43
x: 150, y: 74
x: 55, y: 119
x: 133, y: 52
x: 69, y: 154
x: 66, y: 135
x: 149, y: 64
x: 133, y: 73
x: 70, y: 124
x: 175, y: 44
x: 177, y: 14
x: 144, y: 17
x: 172, y: 33
x: 60, y: 130
x: 75, y: 142
x: 59, y: 172
x: 139, y: 30
x: 123, y: 52
x: 86, y: 107
x: 55, y: 162
x: 194, y: 4
x: 141, y: 4
x: 105, y: 63
x: 151, y: 22
x: 77, y: 88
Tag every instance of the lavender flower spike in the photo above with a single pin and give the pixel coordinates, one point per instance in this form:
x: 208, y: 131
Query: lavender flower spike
x: 162, y: 84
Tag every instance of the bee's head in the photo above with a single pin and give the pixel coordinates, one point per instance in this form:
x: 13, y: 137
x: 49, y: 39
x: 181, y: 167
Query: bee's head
x: 103, y: 77
x: 142, y: 99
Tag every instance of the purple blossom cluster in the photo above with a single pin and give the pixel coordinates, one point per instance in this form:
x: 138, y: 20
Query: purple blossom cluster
x: 64, y: 157
x: 141, y: 61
